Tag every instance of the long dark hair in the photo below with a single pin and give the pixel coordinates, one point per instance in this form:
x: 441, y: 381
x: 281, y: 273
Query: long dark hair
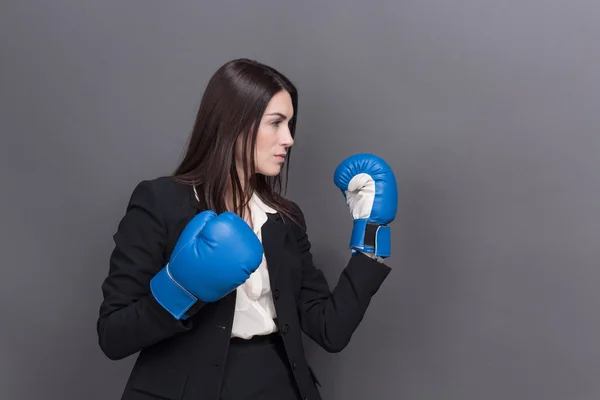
x: 232, y: 105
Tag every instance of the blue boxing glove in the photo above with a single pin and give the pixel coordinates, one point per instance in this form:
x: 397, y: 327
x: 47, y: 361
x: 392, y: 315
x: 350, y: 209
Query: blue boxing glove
x: 212, y: 257
x: 369, y: 187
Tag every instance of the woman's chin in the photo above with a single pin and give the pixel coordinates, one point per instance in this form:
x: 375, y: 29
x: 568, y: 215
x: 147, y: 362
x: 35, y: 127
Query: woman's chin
x: 271, y: 171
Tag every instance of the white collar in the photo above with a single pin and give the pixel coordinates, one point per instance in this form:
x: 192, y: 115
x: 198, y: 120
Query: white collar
x: 257, y: 202
x: 259, y: 212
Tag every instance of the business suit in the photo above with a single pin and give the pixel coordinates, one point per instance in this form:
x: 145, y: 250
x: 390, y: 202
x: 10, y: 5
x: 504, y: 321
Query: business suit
x: 185, y: 359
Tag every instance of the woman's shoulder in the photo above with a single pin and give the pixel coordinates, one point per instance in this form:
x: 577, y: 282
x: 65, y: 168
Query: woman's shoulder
x: 292, y: 210
x: 161, y: 181
x: 160, y: 191
x: 162, y: 185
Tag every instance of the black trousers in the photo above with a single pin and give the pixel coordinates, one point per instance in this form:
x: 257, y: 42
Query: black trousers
x: 257, y: 369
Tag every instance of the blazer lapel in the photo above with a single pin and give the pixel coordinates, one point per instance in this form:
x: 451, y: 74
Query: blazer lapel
x: 273, y: 240
x: 274, y: 233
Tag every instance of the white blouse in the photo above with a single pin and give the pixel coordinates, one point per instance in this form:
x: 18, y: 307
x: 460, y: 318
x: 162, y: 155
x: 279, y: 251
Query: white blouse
x: 254, y: 308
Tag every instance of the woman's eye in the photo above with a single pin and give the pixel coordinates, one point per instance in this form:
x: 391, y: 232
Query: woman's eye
x: 276, y: 123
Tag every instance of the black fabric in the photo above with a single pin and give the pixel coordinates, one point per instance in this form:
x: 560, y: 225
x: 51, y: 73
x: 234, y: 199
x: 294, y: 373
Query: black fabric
x: 258, y: 369
x: 371, y: 234
x: 187, y: 360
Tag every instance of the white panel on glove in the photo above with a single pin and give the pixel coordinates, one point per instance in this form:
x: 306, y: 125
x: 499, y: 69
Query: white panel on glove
x: 361, y: 195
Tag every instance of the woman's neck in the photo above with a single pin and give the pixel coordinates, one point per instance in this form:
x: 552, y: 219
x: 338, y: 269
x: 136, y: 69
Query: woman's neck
x: 229, y: 203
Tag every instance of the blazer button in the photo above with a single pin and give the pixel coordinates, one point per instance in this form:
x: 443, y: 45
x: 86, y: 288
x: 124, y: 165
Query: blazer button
x: 276, y: 294
x: 285, y: 328
x: 294, y: 365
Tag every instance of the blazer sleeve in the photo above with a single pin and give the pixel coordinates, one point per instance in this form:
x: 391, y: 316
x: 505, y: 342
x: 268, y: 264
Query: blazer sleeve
x: 130, y: 318
x: 330, y: 317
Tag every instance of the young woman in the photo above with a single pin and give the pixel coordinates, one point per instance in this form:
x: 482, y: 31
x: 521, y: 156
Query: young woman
x: 211, y: 279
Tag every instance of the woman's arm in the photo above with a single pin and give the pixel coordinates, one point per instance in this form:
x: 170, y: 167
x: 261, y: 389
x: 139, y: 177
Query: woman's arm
x: 331, y: 317
x: 130, y: 317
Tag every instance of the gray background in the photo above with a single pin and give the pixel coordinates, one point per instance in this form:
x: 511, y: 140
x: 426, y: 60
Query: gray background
x: 489, y: 113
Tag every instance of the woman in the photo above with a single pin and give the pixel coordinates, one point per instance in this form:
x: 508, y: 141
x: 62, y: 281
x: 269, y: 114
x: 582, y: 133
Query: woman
x: 211, y: 278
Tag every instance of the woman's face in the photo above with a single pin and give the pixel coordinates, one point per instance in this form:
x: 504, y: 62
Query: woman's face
x: 274, y: 137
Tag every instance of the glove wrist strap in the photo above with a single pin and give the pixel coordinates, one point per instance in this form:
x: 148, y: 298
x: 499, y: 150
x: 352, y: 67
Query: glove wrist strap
x: 371, y: 237
x: 170, y: 294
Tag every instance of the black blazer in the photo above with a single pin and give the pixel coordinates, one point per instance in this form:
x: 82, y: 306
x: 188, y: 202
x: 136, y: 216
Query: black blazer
x: 184, y: 360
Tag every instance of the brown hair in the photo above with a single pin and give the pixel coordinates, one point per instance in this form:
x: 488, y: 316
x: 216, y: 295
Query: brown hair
x: 232, y: 105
